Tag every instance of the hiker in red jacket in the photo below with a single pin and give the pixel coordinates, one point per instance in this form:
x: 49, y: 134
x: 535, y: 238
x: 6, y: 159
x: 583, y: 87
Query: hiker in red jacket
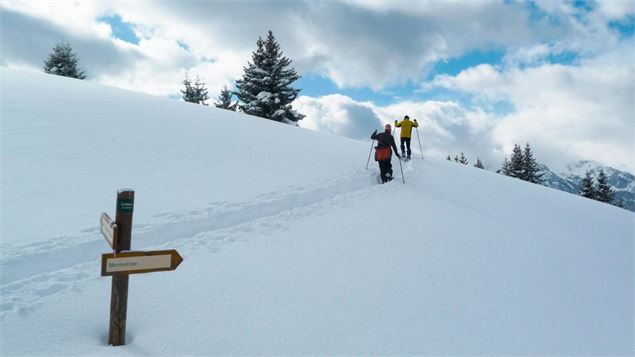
x: 383, y: 152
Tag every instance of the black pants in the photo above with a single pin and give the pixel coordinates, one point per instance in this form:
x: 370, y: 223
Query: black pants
x: 385, y: 167
x: 407, y: 142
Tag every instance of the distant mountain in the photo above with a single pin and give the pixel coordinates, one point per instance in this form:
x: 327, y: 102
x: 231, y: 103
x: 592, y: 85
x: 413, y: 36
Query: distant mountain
x: 569, y: 180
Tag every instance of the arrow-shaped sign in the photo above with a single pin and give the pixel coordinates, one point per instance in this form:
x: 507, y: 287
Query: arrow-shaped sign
x: 108, y: 228
x: 139, y: 262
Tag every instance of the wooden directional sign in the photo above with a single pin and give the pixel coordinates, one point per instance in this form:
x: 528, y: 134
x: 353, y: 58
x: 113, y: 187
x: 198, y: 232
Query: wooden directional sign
x: 108, y: 229
x: 139, y: 262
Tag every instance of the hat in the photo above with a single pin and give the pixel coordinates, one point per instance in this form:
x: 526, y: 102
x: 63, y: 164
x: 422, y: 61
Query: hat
x: 406, y: 117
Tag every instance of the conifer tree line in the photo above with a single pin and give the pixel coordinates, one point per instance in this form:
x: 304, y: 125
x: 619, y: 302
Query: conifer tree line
x: 265, y: 87
x: 599, y: 190
x: 463, y: 160
x: 522, y: 165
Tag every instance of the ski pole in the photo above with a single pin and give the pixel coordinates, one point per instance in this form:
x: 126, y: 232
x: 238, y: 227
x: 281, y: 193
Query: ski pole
x: 419, y: 140
x: 401, y: 168
x: 372, y: 143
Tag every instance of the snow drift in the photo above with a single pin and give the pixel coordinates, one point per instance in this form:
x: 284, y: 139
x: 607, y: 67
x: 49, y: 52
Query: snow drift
x: 290, y: 246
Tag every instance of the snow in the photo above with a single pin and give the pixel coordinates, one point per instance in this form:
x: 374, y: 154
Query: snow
x: 290, y: 246
x: 263, y: 96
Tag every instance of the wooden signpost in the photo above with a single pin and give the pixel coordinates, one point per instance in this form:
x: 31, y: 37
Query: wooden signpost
x: 121, y: 263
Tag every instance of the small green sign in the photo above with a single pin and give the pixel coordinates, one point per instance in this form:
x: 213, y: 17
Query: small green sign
x: 125, y: 205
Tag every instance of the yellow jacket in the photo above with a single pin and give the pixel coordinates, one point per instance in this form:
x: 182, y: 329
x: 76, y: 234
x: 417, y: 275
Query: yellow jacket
x: 406, y: 127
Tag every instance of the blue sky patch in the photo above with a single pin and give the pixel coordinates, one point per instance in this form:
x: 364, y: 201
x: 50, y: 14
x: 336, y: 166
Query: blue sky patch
x: 625, y: 27
x: 316, y: 85
x: 183, y: 45
x: 564, y: 58
x: 454, y: 66
x: 121, y: 30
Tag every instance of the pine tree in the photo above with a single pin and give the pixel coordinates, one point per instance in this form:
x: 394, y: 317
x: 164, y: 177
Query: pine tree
x: 516, y: 164
x: 200, y: 90
x: 265, y: 88
x: 587, y: 189
x: 619, y: 203
x: 194, y: 93
x: 604, y: 191
x: 456, y: 158
x: 449, y: 158
x: 225, y: 100
x: 189, y: 94
x: 505, y: 169
x: 478, y: 164
x: 463, y: 159
x: 531, y: 171
x: 63, y: 62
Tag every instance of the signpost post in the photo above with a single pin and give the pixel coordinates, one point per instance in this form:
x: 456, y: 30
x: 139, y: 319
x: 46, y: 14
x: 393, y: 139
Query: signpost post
x: 121, y: 263
x: 119, y: 291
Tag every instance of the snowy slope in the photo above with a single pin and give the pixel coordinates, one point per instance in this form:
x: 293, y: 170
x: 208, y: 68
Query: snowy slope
x: 290, y: 246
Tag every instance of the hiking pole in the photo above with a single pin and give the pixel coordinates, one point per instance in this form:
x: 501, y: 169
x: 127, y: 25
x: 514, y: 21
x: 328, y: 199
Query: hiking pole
x: 401, y: 168
x: 419, y: 140
x: 372, y: 143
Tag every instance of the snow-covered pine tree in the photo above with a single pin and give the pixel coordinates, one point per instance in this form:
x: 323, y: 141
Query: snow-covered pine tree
x: 505, y: 169
x: 194, y: 92
x: 604, y: 191
x: 463, y: 159
x: 531, y: 170
x: 200, y: 90
x: 456, y: 158
x: 225, y: 100
x: 449, y: 158
x: 586, y: 188
x: 619, y: 203
x: 63, y: 62
x: 478, y: 164
x: 189, y: 94
x: 265, y: 88
x: 516, y: 164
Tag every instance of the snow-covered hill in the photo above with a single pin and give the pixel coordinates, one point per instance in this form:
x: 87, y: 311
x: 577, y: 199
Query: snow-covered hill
x: 290, y: 246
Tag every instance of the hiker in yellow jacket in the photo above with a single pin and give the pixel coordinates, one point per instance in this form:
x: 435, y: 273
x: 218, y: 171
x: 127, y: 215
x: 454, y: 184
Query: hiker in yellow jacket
x: 406, y: 131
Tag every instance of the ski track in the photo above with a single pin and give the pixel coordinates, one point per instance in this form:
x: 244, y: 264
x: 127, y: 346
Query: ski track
x: 68, y: 263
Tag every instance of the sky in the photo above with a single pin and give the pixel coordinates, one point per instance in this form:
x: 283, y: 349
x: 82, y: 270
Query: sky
x: 480, y: 76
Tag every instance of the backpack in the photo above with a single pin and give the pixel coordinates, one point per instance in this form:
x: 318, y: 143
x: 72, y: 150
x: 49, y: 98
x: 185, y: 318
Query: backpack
x: 382, y: 153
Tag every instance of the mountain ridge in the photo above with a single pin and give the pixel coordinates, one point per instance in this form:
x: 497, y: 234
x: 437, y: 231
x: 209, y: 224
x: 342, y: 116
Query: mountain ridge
x: 570, y: 180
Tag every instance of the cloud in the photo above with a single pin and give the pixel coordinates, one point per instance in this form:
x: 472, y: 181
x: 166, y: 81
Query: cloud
x: 616, y: 9
x: 445, y: 127
x: 355, y: 44
x: 567, y: 112
x: 27, y: 41
x: 156, y: 65
x: 339, y: 115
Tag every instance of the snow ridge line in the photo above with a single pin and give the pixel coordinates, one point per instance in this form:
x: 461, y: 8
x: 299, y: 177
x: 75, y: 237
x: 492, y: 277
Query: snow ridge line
x: 66, y: 252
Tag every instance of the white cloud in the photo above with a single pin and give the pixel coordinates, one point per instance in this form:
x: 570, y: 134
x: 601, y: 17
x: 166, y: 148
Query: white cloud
x: 353, y: 44
x: 616, y: 9
x: 566, y: 112
x: 339, y: 115
x: 444, y: 127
